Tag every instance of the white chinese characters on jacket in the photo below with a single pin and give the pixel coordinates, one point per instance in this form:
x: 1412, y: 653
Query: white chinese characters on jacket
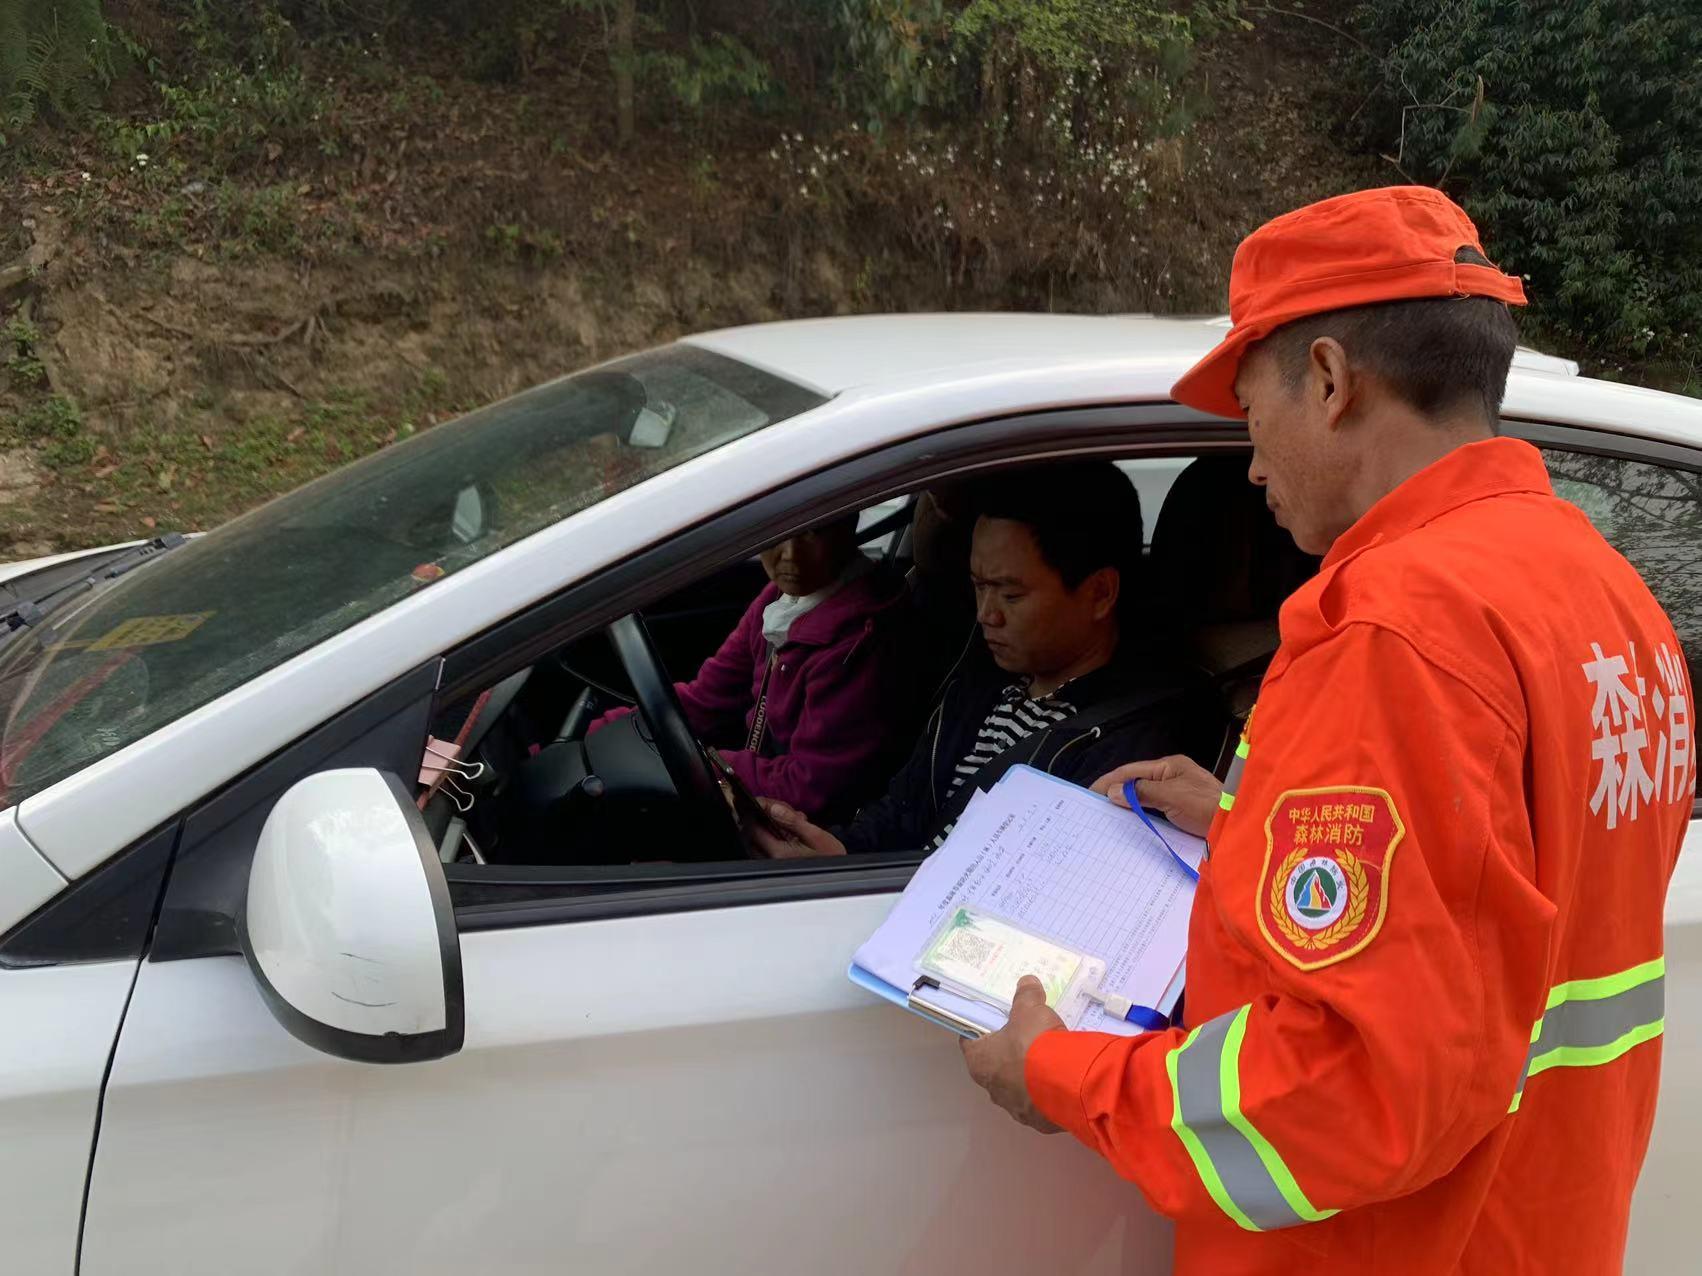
x: 1643, y: 750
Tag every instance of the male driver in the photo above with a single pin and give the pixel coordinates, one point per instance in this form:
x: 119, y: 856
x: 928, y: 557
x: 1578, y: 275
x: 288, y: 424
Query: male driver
x: 1068, y: 688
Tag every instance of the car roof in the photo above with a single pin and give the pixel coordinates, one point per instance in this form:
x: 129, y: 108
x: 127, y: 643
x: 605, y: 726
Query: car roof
x: 891, y: 379
x: 835, y: 355
x: 876, y: 352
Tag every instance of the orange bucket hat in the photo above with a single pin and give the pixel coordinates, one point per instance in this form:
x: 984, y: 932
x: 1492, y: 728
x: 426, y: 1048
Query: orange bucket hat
x: 1395, y: 243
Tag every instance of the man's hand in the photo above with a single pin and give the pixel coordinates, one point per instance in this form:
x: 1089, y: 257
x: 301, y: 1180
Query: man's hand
x: 996, y: 1060
x: 1178, y: 788
x: 803, y: 840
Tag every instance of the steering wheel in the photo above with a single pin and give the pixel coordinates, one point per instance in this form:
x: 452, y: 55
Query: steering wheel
x: 658, y: 704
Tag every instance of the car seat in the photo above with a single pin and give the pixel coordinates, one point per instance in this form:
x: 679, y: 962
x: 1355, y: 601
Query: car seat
x: 942, y: 601
x: 1222, y: 567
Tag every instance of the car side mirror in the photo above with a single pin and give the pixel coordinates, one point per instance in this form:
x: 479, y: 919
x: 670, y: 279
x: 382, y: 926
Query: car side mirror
x: 348, y: 928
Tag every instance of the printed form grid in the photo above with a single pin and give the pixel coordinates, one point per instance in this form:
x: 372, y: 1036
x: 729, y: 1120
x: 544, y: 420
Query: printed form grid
x: 1077, y: 879
x: 1062, y: 863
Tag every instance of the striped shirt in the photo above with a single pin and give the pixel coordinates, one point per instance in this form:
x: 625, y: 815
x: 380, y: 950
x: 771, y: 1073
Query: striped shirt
x: 1014, y: 717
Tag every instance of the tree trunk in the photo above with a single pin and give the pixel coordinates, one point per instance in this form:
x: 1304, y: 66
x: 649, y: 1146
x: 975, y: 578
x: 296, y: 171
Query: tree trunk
x: 621, y: 58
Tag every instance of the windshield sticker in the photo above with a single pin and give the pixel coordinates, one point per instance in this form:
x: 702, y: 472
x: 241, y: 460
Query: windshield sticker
x: 150, y: 631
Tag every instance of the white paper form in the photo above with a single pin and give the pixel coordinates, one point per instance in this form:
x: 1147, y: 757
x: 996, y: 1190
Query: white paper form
x: 1065, y: 863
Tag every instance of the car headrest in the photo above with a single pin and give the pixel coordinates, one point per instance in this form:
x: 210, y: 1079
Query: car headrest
x: 1216, y: 550
x: 940, y: 533
x: 1223, y: 566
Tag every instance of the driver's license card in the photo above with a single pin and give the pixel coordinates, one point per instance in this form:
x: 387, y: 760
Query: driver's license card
x: 983, y: 956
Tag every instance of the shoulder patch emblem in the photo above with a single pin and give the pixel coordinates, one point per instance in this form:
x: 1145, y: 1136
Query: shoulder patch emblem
x: 1324, y: 888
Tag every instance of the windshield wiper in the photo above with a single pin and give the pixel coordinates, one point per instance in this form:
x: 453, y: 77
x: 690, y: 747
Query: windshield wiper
x: 30, y: 612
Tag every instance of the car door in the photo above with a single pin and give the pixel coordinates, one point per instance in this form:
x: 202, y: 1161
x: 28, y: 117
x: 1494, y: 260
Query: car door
x: 670, y: 1073
x: 693, y: 1091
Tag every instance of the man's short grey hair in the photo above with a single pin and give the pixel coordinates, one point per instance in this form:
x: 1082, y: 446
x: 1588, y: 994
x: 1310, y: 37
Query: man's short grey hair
x: 1439, y: 354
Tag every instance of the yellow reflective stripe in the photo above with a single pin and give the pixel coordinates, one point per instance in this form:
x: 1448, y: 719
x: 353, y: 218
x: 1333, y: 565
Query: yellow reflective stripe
x: 1238, y: 1167
x: 1595, y: 1056
x: 1237, y: 764
x: 1590, y: 1022
x: 1196, y: 1150
x: 1274, y: 1164
x: 1606, y: 985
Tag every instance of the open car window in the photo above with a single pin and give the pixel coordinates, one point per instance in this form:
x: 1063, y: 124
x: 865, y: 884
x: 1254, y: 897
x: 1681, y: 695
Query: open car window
x: 583, y: 844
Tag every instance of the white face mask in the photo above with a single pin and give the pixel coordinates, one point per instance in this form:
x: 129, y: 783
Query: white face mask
x: 779, y: 616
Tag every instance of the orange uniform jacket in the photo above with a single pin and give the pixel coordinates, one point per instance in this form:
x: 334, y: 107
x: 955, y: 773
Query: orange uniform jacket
x: 1425, y: 960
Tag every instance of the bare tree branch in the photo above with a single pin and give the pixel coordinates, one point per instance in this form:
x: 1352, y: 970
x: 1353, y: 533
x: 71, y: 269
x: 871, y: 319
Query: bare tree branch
x: 1306, y: 17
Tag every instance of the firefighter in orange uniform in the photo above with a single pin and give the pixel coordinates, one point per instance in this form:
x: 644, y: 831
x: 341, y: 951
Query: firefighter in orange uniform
x: 1424, y: 999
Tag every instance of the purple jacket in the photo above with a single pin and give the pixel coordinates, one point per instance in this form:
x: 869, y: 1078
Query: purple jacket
x: 838, y: 701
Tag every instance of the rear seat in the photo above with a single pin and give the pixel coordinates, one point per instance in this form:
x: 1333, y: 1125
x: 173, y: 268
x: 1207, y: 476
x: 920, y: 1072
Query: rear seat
x: 1223, y: 567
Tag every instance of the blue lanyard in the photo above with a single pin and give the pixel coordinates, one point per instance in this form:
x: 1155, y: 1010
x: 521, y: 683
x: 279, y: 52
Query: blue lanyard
x: 1145, y: 1017
x: 1134, y: 802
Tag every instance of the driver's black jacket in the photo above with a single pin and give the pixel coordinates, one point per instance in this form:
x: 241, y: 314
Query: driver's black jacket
x: 983, y: 712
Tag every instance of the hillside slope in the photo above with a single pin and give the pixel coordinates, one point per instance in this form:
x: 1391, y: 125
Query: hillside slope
x: 193, y: 341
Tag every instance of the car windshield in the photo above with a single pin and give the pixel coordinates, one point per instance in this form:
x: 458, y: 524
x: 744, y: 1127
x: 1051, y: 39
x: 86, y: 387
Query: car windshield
x: 108, y: 669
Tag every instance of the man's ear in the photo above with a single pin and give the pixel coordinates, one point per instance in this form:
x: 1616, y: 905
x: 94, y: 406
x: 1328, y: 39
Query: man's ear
x: 1332, y: 384
x: 1103, y: 588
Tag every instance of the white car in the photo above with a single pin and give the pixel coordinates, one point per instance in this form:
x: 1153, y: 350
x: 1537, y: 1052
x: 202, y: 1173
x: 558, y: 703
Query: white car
x: 634, y: 1049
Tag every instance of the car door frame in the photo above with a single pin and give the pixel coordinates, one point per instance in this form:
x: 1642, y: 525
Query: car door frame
x: 547, y: 895
x: 494, y: 897
x: 203, y: 891
x: 539, y: 895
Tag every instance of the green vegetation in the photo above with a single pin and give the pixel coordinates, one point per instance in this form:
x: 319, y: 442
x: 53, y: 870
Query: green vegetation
x: 1053, y: 74
x: 1573, y: 132
x: 56, y: 58
x: 236, y: 78
x: 278, y: 233
x: 57, y: 425
x: 172, y: 476
x: 18, y: 340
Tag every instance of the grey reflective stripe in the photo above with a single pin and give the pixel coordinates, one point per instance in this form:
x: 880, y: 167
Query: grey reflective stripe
x: 1240, y: 1169
x: 1237, y: 764
x: 1590, y: 1022
x: 1232, y: 781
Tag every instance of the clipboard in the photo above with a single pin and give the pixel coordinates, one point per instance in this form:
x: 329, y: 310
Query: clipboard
x: 974, y: 865
x: 916, y: 1001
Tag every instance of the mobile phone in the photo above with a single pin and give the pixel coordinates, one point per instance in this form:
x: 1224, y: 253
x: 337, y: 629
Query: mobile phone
x: 979, y: 955
x: 746, y: 809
